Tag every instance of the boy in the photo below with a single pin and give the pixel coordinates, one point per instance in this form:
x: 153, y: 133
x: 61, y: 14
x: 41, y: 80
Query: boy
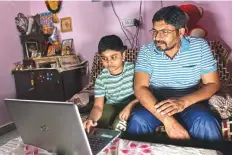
x: 113, y: 90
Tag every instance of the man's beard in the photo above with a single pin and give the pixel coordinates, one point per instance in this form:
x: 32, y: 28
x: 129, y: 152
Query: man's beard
x: 163, y: 49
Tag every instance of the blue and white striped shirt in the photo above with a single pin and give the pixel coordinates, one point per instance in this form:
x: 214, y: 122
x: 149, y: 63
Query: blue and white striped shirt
x: 117, y: 89
x: 173, y: 78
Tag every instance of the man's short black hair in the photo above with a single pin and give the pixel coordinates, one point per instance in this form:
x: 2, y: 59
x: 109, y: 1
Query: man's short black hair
x: 110, y: 42
x: 172, y: 15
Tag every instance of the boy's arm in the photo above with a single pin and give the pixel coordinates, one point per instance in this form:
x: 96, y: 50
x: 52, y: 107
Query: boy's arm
x: 132, y: 103
x: 97, y: 110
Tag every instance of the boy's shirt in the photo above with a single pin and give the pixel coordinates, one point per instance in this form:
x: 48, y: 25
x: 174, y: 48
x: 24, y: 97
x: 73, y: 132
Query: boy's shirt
x: 116, y: 89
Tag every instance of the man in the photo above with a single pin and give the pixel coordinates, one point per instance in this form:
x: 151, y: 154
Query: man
x: 167, y: 76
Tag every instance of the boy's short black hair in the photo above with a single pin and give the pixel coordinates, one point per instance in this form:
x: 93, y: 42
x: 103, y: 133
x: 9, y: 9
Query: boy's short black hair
x: 172, y: 15
x: 110, y: 42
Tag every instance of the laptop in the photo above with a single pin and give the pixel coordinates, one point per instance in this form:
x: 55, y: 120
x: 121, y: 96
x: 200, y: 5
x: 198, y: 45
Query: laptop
x: 57, y: 127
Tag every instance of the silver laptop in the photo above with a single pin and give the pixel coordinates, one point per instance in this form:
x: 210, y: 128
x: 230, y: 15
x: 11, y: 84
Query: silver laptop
x: 57, y: 127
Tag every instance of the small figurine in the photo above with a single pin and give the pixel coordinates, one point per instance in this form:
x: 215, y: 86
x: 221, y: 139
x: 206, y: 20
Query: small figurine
x: 18, y: 66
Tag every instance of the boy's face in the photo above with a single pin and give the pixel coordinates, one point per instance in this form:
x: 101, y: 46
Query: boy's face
x: 113, y: 61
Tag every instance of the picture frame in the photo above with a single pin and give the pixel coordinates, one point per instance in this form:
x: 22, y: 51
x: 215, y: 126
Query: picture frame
x: 66, y: 47
x: 66, y: 24
x: 32, y: 49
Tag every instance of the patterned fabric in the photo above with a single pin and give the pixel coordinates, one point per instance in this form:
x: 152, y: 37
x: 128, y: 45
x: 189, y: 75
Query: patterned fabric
x: 227, y: 129
x: 119, y: 125
x: 222, y: 105
x: 117, y: 89
x: 117, y: 147
x: 126, y: 147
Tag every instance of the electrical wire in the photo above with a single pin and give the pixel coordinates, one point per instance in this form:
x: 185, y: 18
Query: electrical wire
x: 112, y: 4
x: 135, y: 38
x: 140, y: 21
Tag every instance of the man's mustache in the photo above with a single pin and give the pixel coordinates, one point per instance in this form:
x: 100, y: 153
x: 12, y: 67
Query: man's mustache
x: 160, y: 41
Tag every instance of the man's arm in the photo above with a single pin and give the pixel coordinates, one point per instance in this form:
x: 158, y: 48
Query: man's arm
x: 146, y: 98
x: 144, y: 95
x: 211, y: 84
x: 97, y: 110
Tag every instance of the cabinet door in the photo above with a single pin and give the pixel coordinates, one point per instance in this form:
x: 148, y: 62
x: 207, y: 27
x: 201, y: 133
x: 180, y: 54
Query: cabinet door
x: 24, y: 88
x: 72, y: 82
x: 49, y: 85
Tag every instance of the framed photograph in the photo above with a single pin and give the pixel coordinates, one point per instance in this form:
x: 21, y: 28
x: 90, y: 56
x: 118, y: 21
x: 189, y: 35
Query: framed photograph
x: 31, y: 49
x: 66, y: 48
x: 66, y: 24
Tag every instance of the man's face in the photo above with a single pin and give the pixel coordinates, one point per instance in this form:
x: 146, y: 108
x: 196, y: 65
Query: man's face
x: 165, y: 36
x: 113, y: 61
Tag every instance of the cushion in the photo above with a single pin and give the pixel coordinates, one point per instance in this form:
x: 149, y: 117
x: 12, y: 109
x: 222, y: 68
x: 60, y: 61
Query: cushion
x: 227, y: 129
x: 81, y: 99
x: 222, y: 105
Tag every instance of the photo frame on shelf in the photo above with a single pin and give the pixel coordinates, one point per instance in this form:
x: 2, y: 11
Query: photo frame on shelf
x: 32, y: 49
x: 66, y: 47
x: 66, y: 24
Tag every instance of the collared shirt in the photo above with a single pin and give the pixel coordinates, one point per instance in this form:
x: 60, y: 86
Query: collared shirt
x: 117, y: 89
x: 171, y: 78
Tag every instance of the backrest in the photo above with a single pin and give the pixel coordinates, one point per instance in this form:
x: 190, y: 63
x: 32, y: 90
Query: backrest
x: 222, y: 56
x: 219, y: 51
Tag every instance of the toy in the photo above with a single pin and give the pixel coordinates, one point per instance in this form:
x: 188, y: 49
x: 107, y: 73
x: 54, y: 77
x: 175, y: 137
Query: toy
x: 194, y: 14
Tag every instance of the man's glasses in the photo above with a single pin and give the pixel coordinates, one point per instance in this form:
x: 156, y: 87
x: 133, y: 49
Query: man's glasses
x: 163, y: 32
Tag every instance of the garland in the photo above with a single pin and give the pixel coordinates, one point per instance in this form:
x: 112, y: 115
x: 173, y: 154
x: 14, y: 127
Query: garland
x: 53, y: 10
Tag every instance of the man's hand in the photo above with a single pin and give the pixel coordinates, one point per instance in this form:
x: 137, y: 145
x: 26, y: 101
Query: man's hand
x: 125, y: 113
x: 174, y: 129
x: 89, y: 124
x: 171, y: 106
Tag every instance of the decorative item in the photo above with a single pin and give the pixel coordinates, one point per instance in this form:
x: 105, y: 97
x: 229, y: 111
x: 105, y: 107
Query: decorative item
x: 21, y: 23
x: 194, y: 14
x: 51, y: 50
x: 66, y: 24
x: 54, y: 47
x: 18, y: 66
x: 46, y: 23
x: 66, y: 47
x: 53, y: 37
x: 31, y: 49
x: 40, y: 39
x: 33, y: 25
x: 30, y: 23
x: 54, y: 7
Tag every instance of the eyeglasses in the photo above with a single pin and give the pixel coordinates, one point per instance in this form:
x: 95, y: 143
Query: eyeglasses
x: 163, y: 32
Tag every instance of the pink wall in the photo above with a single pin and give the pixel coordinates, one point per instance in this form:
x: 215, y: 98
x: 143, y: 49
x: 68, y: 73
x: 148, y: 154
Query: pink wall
x: 92, y: 20
x: 11, y: 51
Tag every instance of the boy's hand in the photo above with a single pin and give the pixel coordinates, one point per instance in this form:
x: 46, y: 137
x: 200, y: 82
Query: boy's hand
x: 89, y: 124
x: 125, y: 113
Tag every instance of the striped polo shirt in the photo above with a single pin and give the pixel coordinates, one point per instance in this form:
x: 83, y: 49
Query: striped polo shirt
x: 116, y: 88
x: 173, y: 78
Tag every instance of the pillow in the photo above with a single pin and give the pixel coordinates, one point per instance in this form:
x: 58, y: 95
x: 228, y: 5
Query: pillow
x: 221, y: 105
x: 80, y: 99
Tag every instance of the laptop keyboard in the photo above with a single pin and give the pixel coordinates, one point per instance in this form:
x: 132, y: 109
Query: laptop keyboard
x: 97, y: 143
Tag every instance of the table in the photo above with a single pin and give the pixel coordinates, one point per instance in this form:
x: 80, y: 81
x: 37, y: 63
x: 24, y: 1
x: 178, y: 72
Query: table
x: 118, y: 147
